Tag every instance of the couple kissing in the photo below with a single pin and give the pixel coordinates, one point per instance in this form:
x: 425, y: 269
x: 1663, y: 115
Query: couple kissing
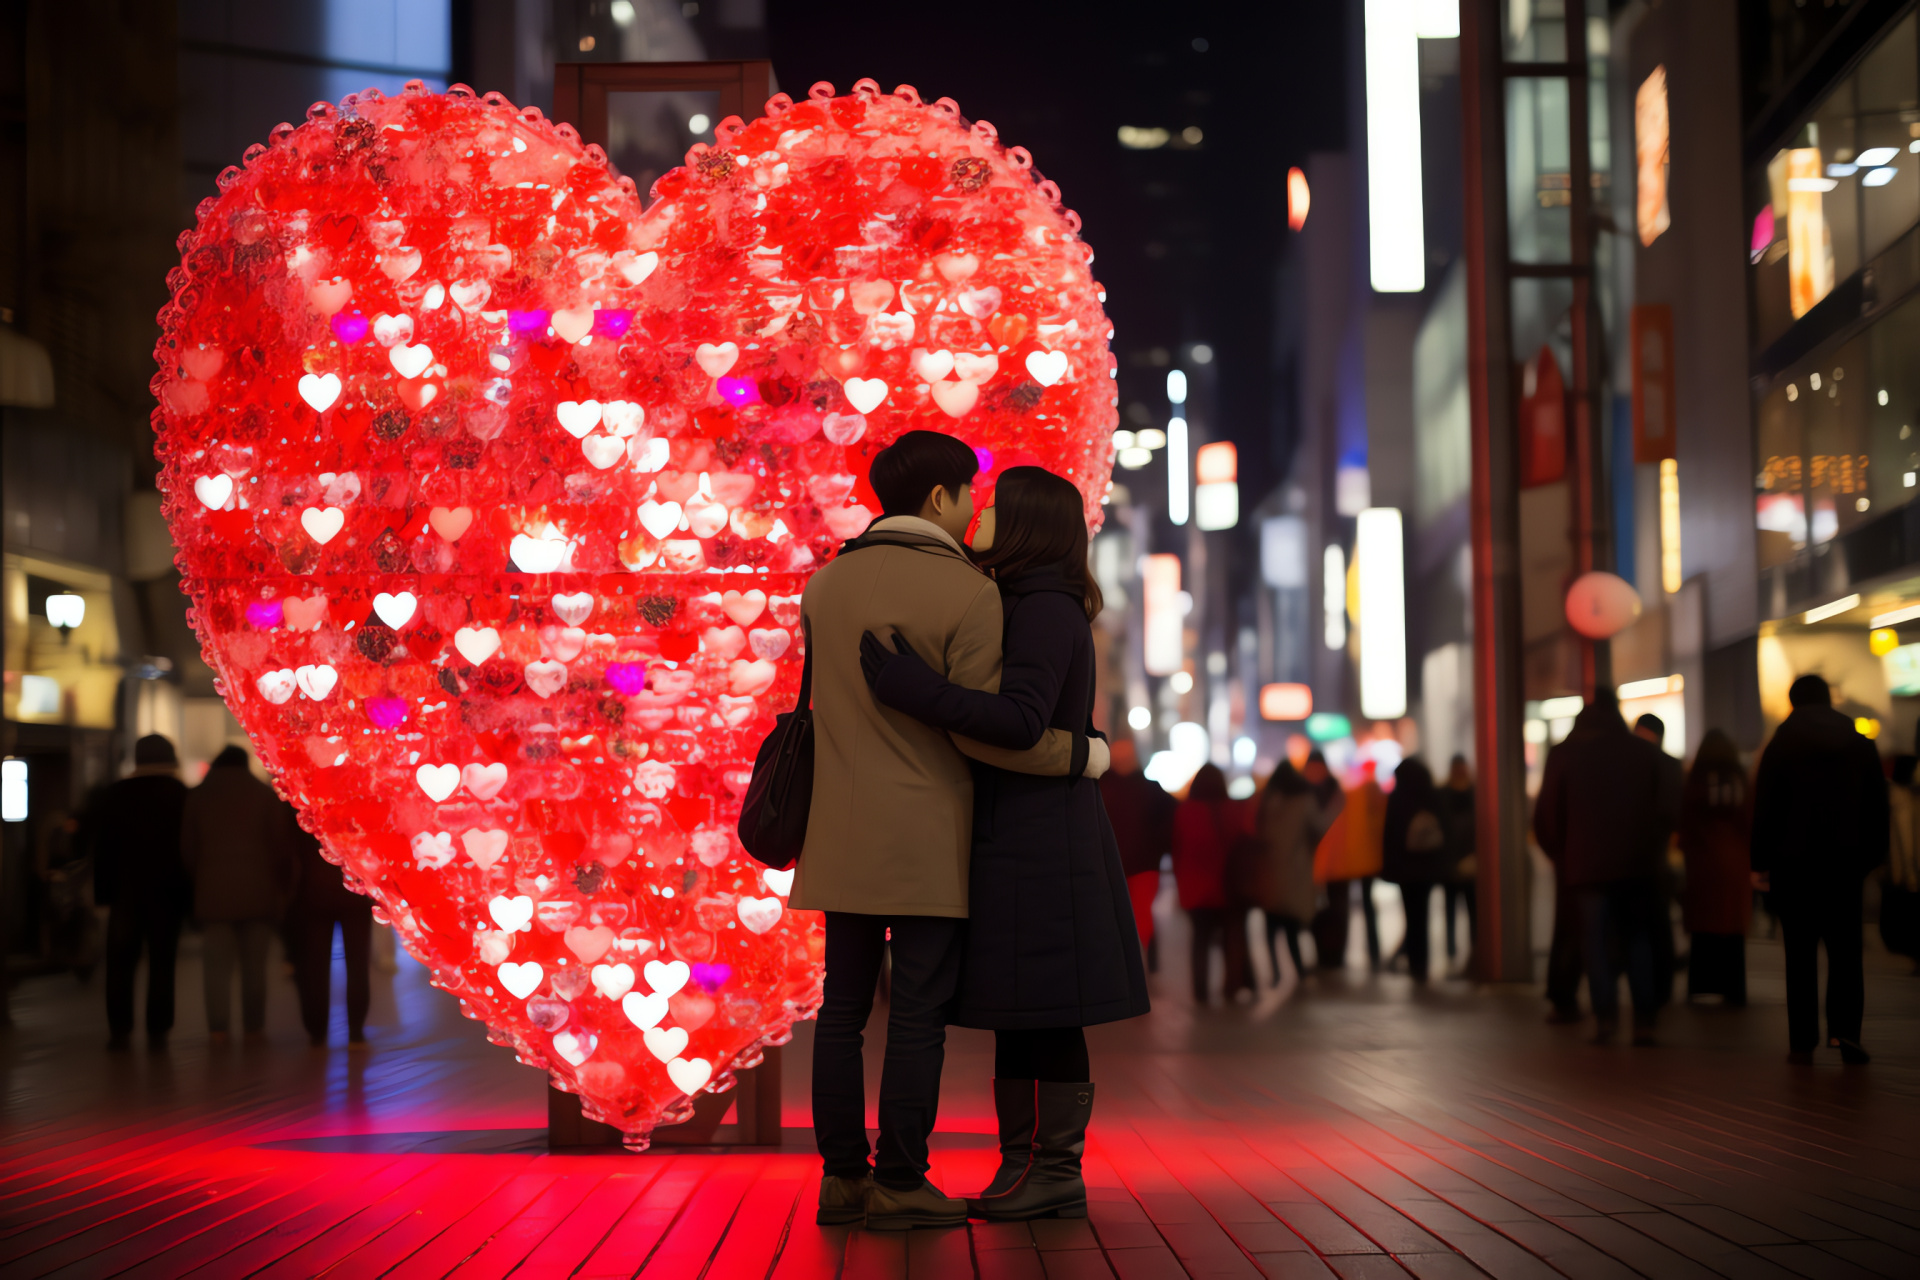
x: 956, y: 822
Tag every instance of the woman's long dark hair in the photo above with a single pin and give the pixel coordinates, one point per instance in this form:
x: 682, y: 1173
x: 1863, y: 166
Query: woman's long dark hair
x: 1039, y: 522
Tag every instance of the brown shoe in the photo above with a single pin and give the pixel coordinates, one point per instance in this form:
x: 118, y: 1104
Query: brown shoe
x: 924, y: 1206
x: 843, y: 1201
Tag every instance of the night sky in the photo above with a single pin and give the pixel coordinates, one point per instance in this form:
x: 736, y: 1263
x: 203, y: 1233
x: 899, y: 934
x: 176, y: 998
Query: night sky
x: 1188, y: 241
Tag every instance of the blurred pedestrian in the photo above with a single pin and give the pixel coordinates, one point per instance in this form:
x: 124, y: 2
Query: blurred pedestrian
x: 1820, y: 825
x: 236, y: 846
x: 138, y: 876
x: 322, y: 900
x: 1141, y: 812
x: 1717, y: 901
x: 1414, y: 854
x: 1205, y: 828
x: 1666, y: 962
x: 1606, y: 809
x: 1900, y: 889
x: 64, y: 865
x: 1290, y: 819
x: 1461, y: 820
x: 1349, y: 855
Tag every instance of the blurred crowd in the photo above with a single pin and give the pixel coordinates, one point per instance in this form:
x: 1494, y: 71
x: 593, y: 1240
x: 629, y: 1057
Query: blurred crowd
x: 1638, y: 842
x: 227, y: 856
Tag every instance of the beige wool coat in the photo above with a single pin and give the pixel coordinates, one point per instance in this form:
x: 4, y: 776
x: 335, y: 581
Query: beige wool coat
x: 891, y: 825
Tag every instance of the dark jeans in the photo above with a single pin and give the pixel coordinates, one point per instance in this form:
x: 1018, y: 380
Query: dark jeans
x: 131, y: 925
x: 926, y: 973
x: 1625, y: 911
x: 1210, y: 930
x: 1415, y: 898
x: 1330, y: 933
x: 313, y: 965
x: 1057, y: 1055
x: 1276, y: 926
x: 1563, y: 958
x: 1829, y: 914
x: 227, y: 943
x: 1461, y: 891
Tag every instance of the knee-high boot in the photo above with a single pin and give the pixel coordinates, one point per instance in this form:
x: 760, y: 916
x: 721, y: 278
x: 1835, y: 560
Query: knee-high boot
x: 1043, y: 1132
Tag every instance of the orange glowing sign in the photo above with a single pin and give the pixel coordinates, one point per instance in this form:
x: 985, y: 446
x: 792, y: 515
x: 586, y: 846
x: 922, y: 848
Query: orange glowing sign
x: 1299, y: 198
x: 1217, y: 463
x: 1285, y: 702
x: 1809, y: 246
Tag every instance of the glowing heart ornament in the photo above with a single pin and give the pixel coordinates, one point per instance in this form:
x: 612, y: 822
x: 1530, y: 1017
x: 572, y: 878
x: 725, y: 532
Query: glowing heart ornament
x: 414, y: 583
x: 869, y: 264
x: 504, y: 581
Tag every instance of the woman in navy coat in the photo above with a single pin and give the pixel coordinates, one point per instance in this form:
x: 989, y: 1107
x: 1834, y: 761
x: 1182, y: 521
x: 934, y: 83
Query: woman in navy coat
x: 1051, y: 943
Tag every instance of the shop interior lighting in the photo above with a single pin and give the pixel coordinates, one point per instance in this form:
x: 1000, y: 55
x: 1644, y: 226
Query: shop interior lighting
x: 1123, y: 439
x: 1178, y: 464
x: 66, y: 610
x: 1834, y: 610
x: 1879, y: 177
x: 1838, y: 170
x: 1135, y: 458
x: 13, y: 790
x: 1874, y: 157
x: 1651, y: 688
x: 1396, y: 218
x: 1895, y: 617
x: 1561, y: 708
x: 1163, y: 642
x: 1438, y: 19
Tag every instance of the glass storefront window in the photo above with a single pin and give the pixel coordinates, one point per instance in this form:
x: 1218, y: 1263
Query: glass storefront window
x: 1843, y: 190
x: 1839, y: 439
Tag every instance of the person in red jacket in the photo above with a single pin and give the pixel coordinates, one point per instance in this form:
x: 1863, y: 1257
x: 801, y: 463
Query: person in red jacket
x: 1204, y: 829
x: 1142, y: 815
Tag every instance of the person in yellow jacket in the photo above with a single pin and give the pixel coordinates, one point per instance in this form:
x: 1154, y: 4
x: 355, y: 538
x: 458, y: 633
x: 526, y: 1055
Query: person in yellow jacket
x: 1349, y: 854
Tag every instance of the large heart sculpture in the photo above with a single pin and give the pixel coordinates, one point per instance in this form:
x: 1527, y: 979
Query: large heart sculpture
x: 495, y: 497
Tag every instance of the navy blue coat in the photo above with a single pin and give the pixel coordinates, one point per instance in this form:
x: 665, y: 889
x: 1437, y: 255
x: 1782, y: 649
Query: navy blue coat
x: 1050, y: 939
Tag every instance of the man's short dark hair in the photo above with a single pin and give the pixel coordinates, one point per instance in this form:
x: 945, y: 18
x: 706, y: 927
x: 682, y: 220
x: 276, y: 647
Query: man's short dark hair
x: 230, y: 757
x: 1653, y: 724
x: 909, y: 469
x: 1810, y: 691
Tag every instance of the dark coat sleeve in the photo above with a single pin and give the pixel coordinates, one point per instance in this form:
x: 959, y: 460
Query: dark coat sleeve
x: 1037, y: 652
x: 1550, y: 810
x: 1769, y: 805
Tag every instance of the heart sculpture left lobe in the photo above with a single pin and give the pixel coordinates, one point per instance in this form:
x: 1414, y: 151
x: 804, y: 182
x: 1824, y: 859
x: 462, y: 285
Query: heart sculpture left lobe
x: 403, y: 449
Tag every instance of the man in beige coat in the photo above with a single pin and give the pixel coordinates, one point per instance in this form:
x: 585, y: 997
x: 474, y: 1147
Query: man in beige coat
x: 891, y: 823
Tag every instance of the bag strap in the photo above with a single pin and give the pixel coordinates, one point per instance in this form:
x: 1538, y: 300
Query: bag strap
x: 806, y: 669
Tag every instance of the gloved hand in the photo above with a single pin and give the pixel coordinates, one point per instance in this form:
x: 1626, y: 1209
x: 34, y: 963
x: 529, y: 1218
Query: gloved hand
x: 1099, y: 758
x: 875, y: 657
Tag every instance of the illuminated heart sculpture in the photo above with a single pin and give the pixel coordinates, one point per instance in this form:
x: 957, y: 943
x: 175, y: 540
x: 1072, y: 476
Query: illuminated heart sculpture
x: 495, y: 499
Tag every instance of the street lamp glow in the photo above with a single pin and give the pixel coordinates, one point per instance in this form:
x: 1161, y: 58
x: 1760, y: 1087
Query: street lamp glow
x: 1395, y: 217
x: 1178, y: 464
x: 1176, y: 386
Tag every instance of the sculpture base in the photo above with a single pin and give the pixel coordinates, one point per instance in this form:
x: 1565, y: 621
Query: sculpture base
x: 755, y: 1100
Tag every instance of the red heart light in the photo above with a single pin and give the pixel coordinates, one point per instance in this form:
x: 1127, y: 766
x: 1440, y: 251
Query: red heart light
x: 495, y: 499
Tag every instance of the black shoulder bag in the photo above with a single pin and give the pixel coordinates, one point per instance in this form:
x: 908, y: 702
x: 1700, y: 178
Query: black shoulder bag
x: 773, y: 820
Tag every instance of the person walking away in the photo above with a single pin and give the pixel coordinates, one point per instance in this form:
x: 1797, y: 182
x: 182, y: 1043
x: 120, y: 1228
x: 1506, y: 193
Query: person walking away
x: 236, y: 846
x: 1900, y: 885
x: 1666, y: 959
x: 1461, y: 820
x: 1350, y: 855
x: 1141, y: 814
x: 138, y: 876
x: 1414, y: 854
x: 1051, y: 947
x: 1606, y: 807
x: 322, y: 900
x: 1820, y: 826
x: 1291, y: 819
x: 1717, y: 902
x: 1205, y: 827
x: 890, y: 829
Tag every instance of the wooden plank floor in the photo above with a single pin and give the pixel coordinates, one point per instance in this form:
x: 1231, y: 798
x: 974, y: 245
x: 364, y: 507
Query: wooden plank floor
x: 1348, y: 1126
